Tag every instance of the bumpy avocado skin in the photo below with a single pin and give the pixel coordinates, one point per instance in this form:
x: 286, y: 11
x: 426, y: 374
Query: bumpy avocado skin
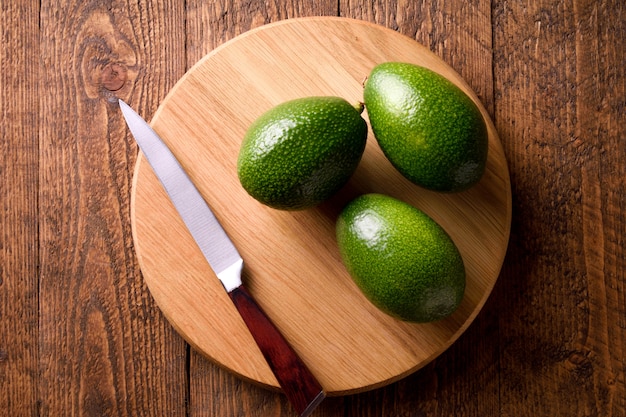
x: 301, y: 152
x: 429, y: 129
x: 400, y: 258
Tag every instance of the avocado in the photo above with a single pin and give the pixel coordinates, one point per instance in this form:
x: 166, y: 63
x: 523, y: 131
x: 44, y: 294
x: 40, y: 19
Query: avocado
x: 429, y: 129
x: 401, y: 259
x: 301, y: 152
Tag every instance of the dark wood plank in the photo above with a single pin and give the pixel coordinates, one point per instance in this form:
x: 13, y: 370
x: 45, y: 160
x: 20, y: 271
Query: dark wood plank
x: 19, y: 126
x: 466, y: 374
x: 104, y: 347
x: 214, y: 391
x: 210, y: 24
x: 560, y: 88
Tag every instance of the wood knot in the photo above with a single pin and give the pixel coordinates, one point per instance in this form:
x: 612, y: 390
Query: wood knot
x: 114, y: 76
x: 580, y: 364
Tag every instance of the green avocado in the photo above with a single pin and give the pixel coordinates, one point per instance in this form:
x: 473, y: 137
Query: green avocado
x: 428, y: 128
x: 401, y: 259
x: 299, y: 153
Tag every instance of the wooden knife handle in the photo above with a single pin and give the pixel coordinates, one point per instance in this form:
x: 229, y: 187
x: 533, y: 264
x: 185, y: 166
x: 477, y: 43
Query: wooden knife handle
x: 298, y: 383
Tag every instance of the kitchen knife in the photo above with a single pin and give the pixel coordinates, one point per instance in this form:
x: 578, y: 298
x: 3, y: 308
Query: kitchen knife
x: 297, y: 382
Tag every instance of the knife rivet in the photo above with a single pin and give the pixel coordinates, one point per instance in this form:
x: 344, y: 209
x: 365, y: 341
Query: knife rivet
x: 114, y: 76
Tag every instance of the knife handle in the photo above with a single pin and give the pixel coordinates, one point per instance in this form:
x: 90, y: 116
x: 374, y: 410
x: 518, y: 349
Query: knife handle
x: 298, y: 383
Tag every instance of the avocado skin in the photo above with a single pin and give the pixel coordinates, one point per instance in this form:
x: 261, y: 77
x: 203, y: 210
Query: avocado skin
x: 400, y: 258
x: 301, y: 152
x: 428, y: 128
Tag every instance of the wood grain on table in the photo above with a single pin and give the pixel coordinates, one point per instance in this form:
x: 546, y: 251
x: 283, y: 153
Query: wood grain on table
x: 79, y: 331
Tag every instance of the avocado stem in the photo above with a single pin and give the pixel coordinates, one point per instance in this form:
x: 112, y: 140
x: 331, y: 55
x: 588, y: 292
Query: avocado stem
x: 359, y: 106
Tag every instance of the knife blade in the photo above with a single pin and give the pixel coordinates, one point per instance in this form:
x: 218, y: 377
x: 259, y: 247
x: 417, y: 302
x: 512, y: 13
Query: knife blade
x: 300, y: 386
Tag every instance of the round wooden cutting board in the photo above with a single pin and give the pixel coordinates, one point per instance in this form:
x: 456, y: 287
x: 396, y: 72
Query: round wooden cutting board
x: 293, y: 267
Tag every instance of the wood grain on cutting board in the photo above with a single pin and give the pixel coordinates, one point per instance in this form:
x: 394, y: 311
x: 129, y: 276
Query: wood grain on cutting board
x: 292, y: 264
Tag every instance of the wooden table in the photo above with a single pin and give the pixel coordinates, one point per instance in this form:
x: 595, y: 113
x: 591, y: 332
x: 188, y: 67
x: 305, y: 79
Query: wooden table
x: 79, y: 331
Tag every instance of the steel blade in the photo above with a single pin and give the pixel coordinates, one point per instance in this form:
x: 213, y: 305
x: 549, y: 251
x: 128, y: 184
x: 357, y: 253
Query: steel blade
x: 216, y: 246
